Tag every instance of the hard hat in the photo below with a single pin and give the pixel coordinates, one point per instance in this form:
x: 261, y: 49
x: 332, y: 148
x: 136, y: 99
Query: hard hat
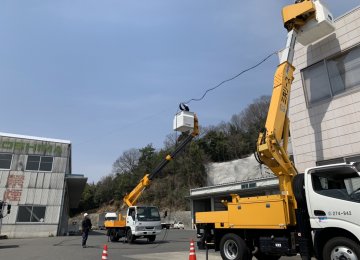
x: 85, y: 214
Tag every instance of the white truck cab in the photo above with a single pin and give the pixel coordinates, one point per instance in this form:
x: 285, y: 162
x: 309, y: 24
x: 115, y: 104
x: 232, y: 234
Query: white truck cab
x: 333, y: 196
x: 143, y: 221
x: 137, y: 222
x: 333, y: 204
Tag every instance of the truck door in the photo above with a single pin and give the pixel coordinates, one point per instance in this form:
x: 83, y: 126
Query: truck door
x: 333, y: 197
x: 130, y: 218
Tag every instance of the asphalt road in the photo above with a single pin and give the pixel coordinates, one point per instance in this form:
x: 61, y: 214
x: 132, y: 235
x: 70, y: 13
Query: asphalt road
x: 170, y: 244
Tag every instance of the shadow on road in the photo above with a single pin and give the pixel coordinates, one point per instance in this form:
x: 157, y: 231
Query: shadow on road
x: 9, y: 246
x: 141, y: 242
x: 96, y: 233
x: 91, y: 233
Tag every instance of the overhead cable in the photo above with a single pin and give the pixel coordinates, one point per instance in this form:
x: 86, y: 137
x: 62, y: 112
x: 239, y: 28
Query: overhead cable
x: 230, y: 79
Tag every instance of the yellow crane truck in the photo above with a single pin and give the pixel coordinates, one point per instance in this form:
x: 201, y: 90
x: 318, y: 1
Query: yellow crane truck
x: 144, y: 221
x: 316, y: 214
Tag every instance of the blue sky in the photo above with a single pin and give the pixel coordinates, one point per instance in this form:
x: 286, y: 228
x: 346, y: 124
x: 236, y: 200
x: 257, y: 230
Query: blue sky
x: 108, y: 75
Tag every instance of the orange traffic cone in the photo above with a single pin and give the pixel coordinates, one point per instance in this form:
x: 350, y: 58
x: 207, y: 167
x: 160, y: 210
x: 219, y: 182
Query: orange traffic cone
x: 104, y: 255
x: 192, y: 255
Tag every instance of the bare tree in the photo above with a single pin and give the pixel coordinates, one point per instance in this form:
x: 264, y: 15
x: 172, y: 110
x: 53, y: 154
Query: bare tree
x: 127, y: 162
x: 235, y: 123
x: 251, y: 118
x: 171, y: 140
x: 255, y: 114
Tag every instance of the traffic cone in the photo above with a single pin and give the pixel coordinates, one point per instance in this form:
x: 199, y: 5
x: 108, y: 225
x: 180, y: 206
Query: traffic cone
x: 104, y: 255
x: 192, y: 255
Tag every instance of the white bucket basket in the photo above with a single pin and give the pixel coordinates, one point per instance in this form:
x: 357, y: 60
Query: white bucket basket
x: 317, y: 28
x: 184, y: 121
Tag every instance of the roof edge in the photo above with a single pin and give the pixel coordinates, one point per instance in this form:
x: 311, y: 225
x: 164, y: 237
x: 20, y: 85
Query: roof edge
x: 347, y: 13
x: 35, y: 138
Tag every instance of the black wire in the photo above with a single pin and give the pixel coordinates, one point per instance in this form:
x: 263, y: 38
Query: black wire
x: 232, y: 78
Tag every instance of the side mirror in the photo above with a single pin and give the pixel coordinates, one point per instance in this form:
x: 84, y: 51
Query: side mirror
x: 8, y: 208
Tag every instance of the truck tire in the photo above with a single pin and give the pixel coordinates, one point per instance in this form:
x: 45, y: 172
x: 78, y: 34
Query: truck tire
x: 233, y: 247
x: 151, y: 238
x: 130, y: 238
x: 341, y: 248
x: 299, y: 191
x: 113, y: 236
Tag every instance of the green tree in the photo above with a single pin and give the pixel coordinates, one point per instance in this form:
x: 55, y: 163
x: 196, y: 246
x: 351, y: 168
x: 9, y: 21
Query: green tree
x: 105, y: 190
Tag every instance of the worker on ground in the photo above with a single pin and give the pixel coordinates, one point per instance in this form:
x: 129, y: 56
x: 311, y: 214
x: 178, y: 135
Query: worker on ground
x: 85, y: 226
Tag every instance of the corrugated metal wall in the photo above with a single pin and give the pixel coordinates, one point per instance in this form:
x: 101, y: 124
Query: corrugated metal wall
x: 33, y: 188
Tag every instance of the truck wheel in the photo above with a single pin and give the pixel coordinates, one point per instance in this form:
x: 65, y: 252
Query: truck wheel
x: 341, y: 248
x: 151, y: 238
x: 129, y: 236
x: 113, y: 236
x: 233, y: 247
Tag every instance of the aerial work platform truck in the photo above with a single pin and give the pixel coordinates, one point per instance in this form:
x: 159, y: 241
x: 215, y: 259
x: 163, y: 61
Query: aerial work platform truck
x: 316, y: 213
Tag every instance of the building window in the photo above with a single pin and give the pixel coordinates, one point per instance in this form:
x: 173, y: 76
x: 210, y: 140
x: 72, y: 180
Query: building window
x: 248, y: 185
x: 347, y: 159
x: 5, y: 161
x: 31, y: 214
x: 244, y: 186
x: 330, y: 161
x: 332, y: 76
x: 252, y: 185
x: 39, y: 163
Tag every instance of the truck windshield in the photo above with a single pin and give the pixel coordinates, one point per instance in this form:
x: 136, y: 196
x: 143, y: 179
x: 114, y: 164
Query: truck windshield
x: 148, y: 214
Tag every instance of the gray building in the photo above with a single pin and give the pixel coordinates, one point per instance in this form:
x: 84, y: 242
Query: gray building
x: 323, y: 111
x: 36, y: 179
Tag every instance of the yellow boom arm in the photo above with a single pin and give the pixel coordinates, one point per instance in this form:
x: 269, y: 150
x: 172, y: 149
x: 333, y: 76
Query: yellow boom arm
x: 272, y: 152
x: 272, y: 144
x: 131, y: 198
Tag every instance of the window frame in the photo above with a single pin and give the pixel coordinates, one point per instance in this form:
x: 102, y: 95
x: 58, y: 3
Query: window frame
x: 11, y: 160
x: 31, y: 214
x: 40, y: 163
x: 325, y: 64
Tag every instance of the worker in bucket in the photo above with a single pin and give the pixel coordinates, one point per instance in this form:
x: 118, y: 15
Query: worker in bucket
x: 85, y: 226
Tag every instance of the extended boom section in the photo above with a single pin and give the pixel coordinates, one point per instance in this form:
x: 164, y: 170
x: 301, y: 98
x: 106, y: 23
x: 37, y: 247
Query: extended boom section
x: 272, y: 144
